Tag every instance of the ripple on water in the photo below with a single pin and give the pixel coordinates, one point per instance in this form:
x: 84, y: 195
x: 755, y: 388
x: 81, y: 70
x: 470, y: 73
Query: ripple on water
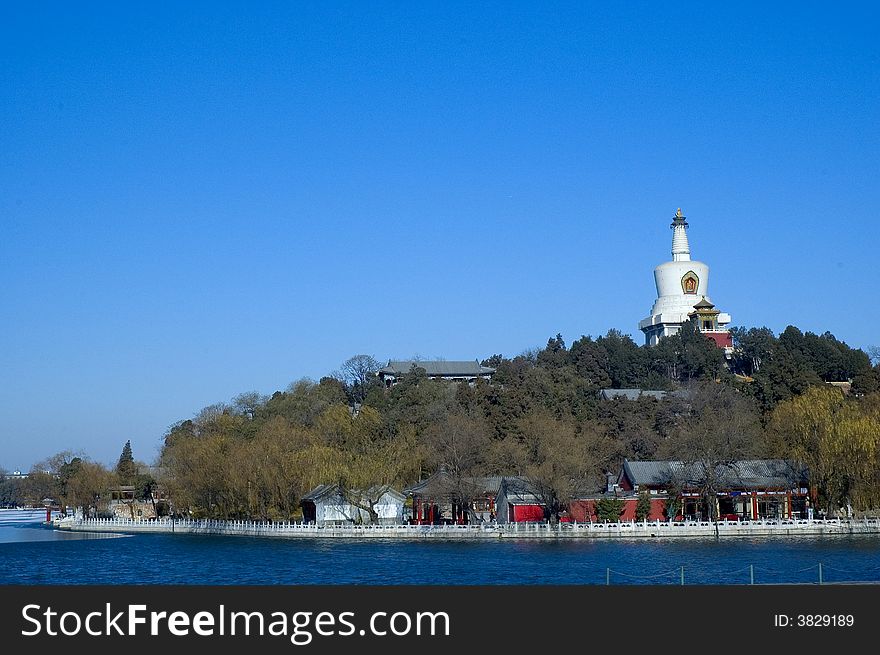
x: 82, y: 558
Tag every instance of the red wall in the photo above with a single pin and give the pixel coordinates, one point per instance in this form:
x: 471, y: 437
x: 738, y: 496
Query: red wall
x: 721, y: 339
x: 657, y: 506
x: 527, y: 513
x: 584, y: 511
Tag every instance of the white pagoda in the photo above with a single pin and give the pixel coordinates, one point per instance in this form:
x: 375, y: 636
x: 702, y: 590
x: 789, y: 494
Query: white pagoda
x: 683, y: 294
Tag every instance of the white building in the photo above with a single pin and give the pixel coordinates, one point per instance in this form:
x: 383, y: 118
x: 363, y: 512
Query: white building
x: 683, y: 292
x: 326, y: 504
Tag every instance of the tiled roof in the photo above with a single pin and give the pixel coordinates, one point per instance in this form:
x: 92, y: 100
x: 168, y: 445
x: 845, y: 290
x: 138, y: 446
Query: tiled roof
x: 442, y: 484
x: 743, y: 474
x: 321, y: 491
x: 437, y: 368
x: 519, y: 490
x: 324, y: 490
x: 633, y: 394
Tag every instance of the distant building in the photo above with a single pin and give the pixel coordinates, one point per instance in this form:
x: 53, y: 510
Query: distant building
x: 446, y: 499
x: 747, y: 489
x: 683, y: 295
x: 327, y: 505
x: 436, y: 370
x: 518, y: 502
x: 629, y: 394
x: 635, y: 394
x: 124, y: 504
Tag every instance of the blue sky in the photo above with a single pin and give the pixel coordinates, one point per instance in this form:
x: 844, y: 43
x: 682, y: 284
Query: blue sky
x: 201, y: 200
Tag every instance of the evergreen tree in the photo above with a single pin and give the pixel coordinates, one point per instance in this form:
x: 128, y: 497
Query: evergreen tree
x: 125, y: 467
x: 643, y: 506
x: 609, y: 509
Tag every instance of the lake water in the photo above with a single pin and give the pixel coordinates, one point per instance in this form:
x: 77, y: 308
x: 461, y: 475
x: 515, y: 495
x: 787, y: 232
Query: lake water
x: 40, y: 555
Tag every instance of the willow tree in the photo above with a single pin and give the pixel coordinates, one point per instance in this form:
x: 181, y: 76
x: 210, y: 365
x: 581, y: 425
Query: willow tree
x: 837, y: 439
x: 87, y: 485
x: 361, y: 458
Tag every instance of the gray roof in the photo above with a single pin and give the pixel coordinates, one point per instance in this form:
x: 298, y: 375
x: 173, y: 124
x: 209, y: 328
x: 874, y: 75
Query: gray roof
x: 519, y: 490
x: 631, y: 394
x: 321, y: 491
x: 327, y: 490
x: 743, y: 474
x: 442, y: 484
x: 437, y: 368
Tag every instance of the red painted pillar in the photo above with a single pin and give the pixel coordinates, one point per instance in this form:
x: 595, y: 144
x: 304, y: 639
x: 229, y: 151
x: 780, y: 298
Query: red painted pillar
x: 754, y: 505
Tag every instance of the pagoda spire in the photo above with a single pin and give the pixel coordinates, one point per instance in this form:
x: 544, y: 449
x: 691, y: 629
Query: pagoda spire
x: 681, y: 249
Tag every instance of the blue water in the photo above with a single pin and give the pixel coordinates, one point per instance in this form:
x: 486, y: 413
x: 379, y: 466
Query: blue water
x: 45, y: 556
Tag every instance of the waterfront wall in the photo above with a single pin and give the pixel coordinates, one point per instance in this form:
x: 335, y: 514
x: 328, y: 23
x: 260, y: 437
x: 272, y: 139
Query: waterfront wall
x: 632, y: 529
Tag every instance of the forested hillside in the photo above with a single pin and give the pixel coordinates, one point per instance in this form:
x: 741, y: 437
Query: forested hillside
x: 540, y: 417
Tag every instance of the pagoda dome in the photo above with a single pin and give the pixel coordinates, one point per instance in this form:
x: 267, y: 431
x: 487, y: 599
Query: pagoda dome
x: 681, y: 284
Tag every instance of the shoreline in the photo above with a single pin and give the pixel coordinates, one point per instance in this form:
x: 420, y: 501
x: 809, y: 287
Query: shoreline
x: 622, y: 530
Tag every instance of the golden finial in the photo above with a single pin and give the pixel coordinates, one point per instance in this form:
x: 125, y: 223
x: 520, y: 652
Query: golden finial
x: 678, y: 213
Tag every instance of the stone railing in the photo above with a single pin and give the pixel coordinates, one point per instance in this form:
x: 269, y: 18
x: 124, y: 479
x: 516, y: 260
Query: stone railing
x: 630, y: 529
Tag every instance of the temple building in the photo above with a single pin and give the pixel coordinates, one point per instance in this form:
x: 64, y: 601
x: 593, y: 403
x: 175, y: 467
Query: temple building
x: 467, y: 371
x: 683, y: 295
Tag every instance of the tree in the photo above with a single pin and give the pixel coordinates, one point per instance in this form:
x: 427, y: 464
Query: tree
x: 359, y: 374
x: 785, y: 376
x: 752, y: 347
x: 248, y: 403
x: 672, y: 504
x: 459, y: 447
x: 590, y: 360
x: 838, y: 440
x: 719, y: 428
x: 867, y: 382
x: 554, y: 354
x: 366, y: 461
x: 28, y: 491
x: 689, y: 355
x: 609, y: 509
x: 643, y: 506
x: 633, y: 425
x: 559, y: 464
x: 364, y: 476
x: 125, y: 467
x: 627, y: 363
x: 86, y: 485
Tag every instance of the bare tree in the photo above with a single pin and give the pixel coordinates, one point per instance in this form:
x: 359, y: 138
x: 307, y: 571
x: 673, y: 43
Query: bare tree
x: 359, y: 373
x: 560, y: 464
x: 247, y: 403
x: 719, y: 429
x: 458, y: 447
